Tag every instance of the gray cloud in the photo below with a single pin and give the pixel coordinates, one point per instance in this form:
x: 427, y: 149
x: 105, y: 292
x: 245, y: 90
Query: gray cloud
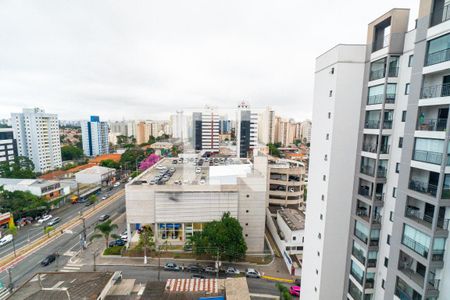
x: 145, y: 59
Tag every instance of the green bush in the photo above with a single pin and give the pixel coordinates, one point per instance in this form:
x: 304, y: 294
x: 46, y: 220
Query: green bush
x: 116, y: 250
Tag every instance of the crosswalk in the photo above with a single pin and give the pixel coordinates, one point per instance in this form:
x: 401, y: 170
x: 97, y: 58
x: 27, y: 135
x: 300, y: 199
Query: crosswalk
x: 4, y: 293
x: 71, y: 267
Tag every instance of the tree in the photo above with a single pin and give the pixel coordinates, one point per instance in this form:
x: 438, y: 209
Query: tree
x: 273, y: 149
x: 106, y: 231
x: 151, y: 140
x: 69, y: 152
x: 22, y: 204
x: 148, y: 162
x: 131, y: 157
x: 92, y: 199
x: 284, y: 291
x: 162, y: 137
x: 21, y: 167
x: 224, y: 237
x: 109, y: 163
x: 146, y: 241
x: 48, y: 229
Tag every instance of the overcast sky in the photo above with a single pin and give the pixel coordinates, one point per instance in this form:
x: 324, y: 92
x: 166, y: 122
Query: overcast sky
x: 145, y: 59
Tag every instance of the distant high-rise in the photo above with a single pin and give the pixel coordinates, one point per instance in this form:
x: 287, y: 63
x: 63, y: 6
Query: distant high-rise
x: 266, y: 126
x: 305, y: 131
x: 8, y: 146
x: 95, y: 137
x: 205, y: 126
x: 246, y: 130
x: 37, y: 135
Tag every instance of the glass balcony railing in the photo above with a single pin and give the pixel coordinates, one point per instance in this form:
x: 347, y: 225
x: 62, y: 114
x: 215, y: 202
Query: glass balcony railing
x: 376, y: 74
x: 393, y: 71
x: 422, y: 187
x: 363, y: 191
x: 381, y: 172
x: 440, y: 15
x: 432, y: 125
x: 354, y: 291
x: 372, y: 262
x: 445, y: 193
x: 435, y: 91
x: 438, y: 57
x: 375, y: 99
x: 370, y: 283
x: 370, y: 147
x: 384, y: 149
x: 437, y: 255
x: 428, y: 157
x: 359, y: 255
x: 390, y: 98
x: 368, y: 170
x: 358, y: 277
x: 415, y: 246
x: 361, y: 235
x: 387, y: 124
x: 372, y: 124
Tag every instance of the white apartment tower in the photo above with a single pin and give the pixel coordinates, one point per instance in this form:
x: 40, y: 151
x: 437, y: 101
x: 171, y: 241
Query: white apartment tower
x: 337, y: 96
x: 205, y: 126
x: 37, y: 135
x: 95, y: 137
x: 398, y: 246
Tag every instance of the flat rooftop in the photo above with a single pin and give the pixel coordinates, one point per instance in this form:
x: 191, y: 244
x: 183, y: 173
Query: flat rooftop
x: 96, y: 170
x: 56, y: 285
x: 294, y: 218
x: 191, y: 171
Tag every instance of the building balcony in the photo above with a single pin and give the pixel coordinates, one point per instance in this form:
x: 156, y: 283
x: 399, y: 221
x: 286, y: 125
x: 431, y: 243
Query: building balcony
x: 359, y: 255
x: 387, y: 124
x: 428, y: 157
x: 372, y: 263
x: 435, y: 91
x: 393, y: 71
x: 375, y: 99
x: 440, y: 14
x: 415, y: 246
x: 370, y: 283
x: 372, y: 148
x: 368, y: 170
x: 361, y: 235
x: 437, y: 57
x: 381, y: 172
x: 423, y: 187
x: 372, y: 124
x: 376, y: 74
x: 432, y: 125
x: 354, y: 291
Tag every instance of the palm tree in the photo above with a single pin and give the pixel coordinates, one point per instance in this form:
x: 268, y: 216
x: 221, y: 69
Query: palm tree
x: 106, y: 229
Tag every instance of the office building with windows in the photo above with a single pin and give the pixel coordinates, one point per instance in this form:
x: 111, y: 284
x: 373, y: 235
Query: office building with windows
x: 8, y: 147
x: 37, y: 136
x: 205, y: 131
x: 397, y: 221
x: 95, y: 137
x: 246, y: 130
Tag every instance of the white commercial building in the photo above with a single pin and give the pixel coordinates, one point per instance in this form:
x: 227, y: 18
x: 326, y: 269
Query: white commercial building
x: 398, y: 219
x: 176, y: 200
x: 48, y: 190
x: 96, y: 175
x: 246, y: 130
x: 287, y: 226
x: 337, y: 99
x: 37, y: 136
x: 95, y: 137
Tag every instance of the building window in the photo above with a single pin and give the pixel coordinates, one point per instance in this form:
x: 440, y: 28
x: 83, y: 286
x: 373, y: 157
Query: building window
x: 330, y: 93
x: 391, y: 216
x: 404, y: 116
x: 332, y: 71
x: 246, y: 211
x: 397, y: 167
x: 246, y: 224
x: 319, y: 236
x: 400, y: 142
x: 410, y: 60
x: 382, y: 284
x: 321, y: 216
x: 327, y: 136
x: 388, y: 239
x: 394, y: 192
x: 386, y: 262
x: 294, y: 238
x: 246, y: 235
x: 318, y: 253
x: 407, y: 89
x: 325, y: 158
x: 317, y: 272
x: 323, y: 197
x: 329, y: 115
x: 324, y: 177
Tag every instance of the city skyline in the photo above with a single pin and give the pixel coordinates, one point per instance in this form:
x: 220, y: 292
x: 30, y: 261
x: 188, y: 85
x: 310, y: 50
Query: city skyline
x: 131, y: 59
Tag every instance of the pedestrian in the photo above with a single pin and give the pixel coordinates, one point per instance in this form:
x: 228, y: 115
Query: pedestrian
x: 62, y: 232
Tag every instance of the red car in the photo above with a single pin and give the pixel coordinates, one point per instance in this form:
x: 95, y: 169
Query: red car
x: 294, y: 290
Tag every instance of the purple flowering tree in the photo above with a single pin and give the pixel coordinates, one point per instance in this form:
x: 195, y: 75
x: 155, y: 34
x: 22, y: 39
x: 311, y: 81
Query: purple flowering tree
x: 148, y: 162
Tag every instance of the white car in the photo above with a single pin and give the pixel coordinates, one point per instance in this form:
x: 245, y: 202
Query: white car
x: 161, y: 167
x: 232, y: 271
x: 252, y: 273
x: 44, y: 218
x: 198, y: 170
x: 124, y: 236
x: 116, y: 184
x: 104, y: 198
x: 6, y: 239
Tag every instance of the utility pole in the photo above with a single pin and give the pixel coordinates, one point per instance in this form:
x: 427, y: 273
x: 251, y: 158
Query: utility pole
x: 159, y: 263
x: 57, y: 260
x: 217, y: 264
x: 11, y: 285
x: 84, y: 230
x: 94, y: 254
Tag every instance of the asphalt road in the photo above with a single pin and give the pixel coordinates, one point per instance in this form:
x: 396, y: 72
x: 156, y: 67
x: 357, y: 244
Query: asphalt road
x: 26, y: 268
x: 142, y: 274
x: 33, y: 231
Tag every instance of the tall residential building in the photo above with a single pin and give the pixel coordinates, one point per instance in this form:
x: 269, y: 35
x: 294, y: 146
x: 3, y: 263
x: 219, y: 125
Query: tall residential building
x: 143, y: 132
x: 398, y: 246
x: 95, y: 137
x: 246, y: 130
x: 205, y: 127
x: 285, y: 131
x: 37, y: 136
x: 337, y: 98
x: 266, y: 126
x: 8, y: 147
x: 119, y: 127
x: 305, y: 131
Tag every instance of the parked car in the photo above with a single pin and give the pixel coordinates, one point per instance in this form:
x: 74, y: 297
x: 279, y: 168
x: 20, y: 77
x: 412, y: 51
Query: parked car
x: 116, y: 184
x: 194, y: 268
x: 117, y: 243
x: 48, y: 260
x: 54, y: 221
x: 89, y: 203
x: 6, y: 239
x: 124, y: 236
x: 198, y: 276
x: 298, y: 281
x: 294, y: 290
x: 44, y: 218
x: 252, y: 273
x: 232, y: 271
x: 210, y: 270
x: 103, y: 218
x: 104, y: 197
x: 171, y: 267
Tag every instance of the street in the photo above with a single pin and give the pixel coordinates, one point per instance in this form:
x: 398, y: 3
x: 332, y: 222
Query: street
x: 26, y: 268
